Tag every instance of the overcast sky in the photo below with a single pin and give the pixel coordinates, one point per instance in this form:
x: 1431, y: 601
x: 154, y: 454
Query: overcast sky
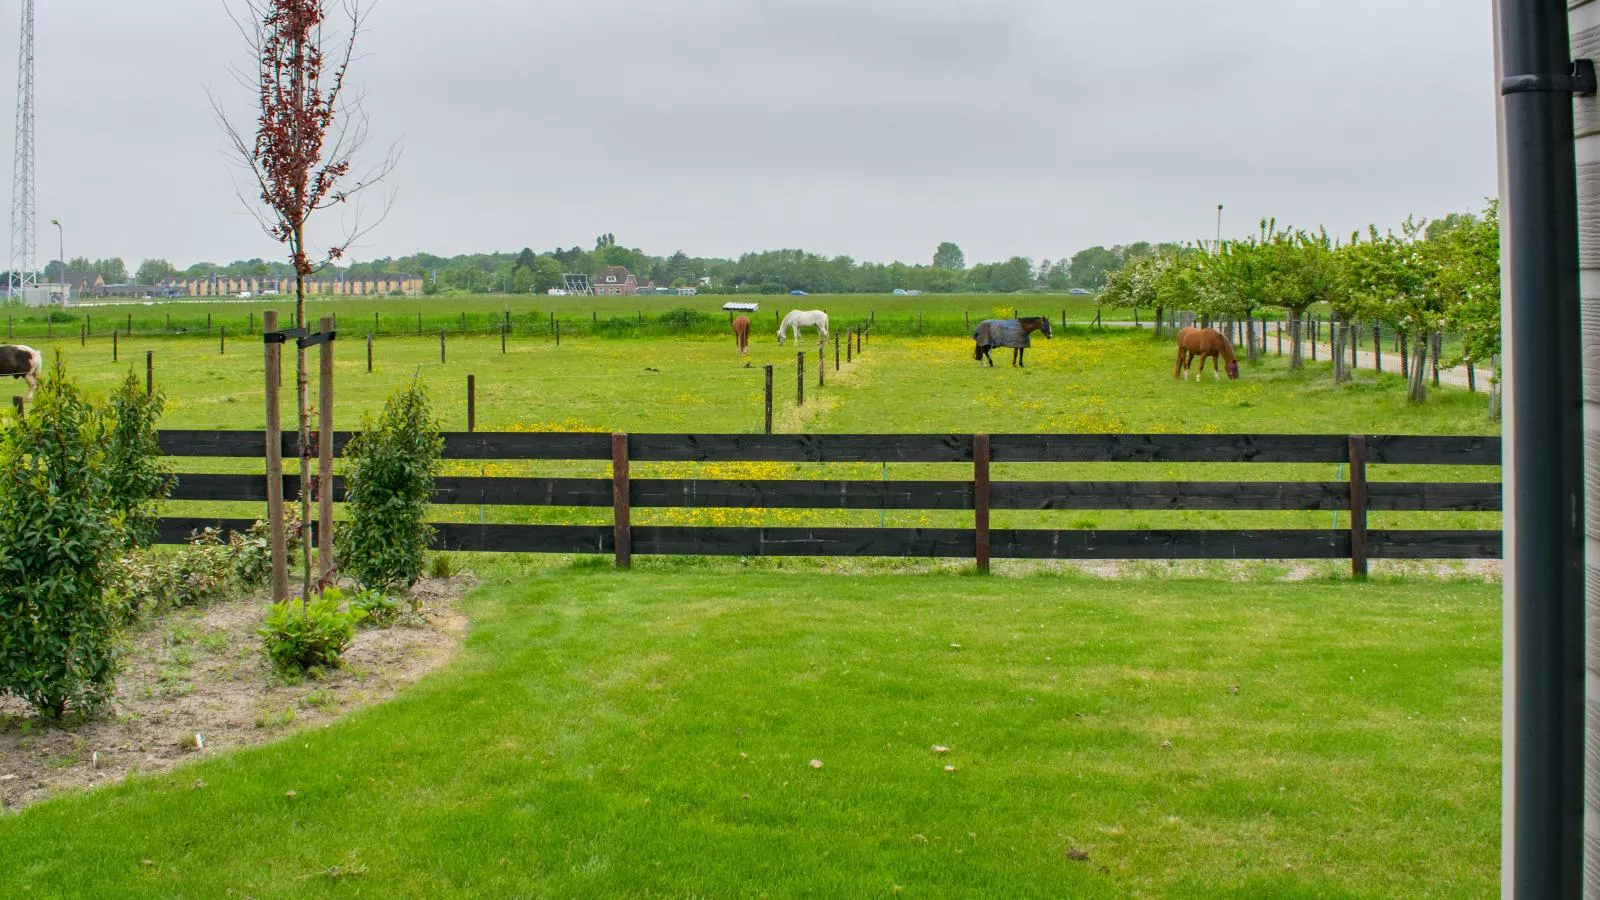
x: 874, y: 128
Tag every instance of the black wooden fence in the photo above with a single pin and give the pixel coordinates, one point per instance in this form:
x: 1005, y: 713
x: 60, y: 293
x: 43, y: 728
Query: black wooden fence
x: 1357, y: 495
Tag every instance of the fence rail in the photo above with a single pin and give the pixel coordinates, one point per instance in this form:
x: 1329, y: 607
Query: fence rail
x: 1357, y: 496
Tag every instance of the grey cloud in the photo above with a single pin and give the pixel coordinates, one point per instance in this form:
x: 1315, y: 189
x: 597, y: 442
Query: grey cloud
x: 869, y: 127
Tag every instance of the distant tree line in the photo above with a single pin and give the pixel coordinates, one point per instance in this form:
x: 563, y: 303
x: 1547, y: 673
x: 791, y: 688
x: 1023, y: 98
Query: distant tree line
x: 767, y: 272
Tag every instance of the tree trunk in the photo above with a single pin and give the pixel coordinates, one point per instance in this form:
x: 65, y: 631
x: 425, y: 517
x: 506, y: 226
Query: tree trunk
x: 1159, y: 321
x: 303, y: 410
x: 1418, y: 392
x: 1250, y: 333
x: 1296, y: 352
x: 1336, y: 339
x: 1494, y: 389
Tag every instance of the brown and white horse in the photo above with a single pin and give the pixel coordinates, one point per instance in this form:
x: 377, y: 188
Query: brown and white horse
x: 1205, y: 343
x: 23, y: 362
x: 741, y: 334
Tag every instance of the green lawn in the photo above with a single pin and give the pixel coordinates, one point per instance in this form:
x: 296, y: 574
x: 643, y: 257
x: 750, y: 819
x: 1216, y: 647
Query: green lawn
x: 649, y: 734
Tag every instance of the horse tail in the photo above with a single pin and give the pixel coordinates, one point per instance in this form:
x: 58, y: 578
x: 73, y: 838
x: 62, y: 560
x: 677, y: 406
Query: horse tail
x: 1177, y: 370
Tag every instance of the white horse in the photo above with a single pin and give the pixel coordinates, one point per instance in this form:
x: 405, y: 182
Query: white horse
x: 798, y: 319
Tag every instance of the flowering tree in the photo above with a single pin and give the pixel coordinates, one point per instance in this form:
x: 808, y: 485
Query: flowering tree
x: 309, y: 129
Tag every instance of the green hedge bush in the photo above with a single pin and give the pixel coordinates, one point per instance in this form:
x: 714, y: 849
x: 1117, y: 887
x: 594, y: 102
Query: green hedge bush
x: 392, y: 463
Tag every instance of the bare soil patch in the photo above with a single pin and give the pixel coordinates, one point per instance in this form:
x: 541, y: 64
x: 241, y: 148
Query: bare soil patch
x: 195, y: 683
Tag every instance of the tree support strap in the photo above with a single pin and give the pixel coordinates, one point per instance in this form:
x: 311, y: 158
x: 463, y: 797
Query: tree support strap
x: 1580, y: 79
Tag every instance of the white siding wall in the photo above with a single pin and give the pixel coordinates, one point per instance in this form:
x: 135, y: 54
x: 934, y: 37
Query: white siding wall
x: 1585, y: 18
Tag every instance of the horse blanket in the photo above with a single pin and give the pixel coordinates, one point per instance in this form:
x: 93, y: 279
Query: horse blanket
x: 1001, y: 333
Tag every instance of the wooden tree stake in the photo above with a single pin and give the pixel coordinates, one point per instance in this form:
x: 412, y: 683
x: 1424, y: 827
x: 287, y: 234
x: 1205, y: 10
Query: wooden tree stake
x: 274, y: 441
x: 769, y: 399
x: 325, y: 454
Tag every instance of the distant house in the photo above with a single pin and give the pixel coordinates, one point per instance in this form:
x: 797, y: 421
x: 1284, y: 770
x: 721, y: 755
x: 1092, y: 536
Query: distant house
x: 83, y: 284
x: 616, y: 281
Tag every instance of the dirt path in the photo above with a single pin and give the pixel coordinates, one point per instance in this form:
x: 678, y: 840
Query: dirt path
x: 195, y: 683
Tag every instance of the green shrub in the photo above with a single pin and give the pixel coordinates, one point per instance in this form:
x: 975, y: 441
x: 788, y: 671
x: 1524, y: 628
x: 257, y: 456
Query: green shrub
x: 393, y: 461
x: 298, y: 640
x: 380, y: 610
x: 199, y: 573
x: 251, y: 550
x: 442, y: 566
x: 58, y: 540
x: 137, y: 478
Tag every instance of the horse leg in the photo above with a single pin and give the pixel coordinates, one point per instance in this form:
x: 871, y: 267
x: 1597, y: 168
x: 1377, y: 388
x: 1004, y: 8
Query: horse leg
x: 1022, y: 362
x: 33, y: 385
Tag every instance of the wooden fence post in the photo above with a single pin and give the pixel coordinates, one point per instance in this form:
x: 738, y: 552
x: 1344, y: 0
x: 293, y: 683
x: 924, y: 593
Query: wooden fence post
x: 769, y: 399
x: 374, y: 323
x: 274, y: 448
x: 1358, y: 506
x: 83, y: 335
x: 503, y: 327
x: 325, y: 558
x: 850, y: 345
x: 472, y: 403
x: 441, y: 346
x: 1377, y: 348
x: 149, y: 373
x: 558, y: 332
x: 980, y: 499
x: 836, y: 351
x: 822, y: 364
x: 128, y: 331
x: 800, y: 379
x: 222, y: 340
x: 622, y: 531
x: 113, y: 345
x: 369, y: 352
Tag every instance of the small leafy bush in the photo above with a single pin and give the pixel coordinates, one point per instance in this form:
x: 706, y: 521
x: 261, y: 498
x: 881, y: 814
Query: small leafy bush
x: 380, y: 610
x: 252, y: 550
x: 137, y: 479
x: 58, y: 541
x: 393, y: 462
x: 298, y: 640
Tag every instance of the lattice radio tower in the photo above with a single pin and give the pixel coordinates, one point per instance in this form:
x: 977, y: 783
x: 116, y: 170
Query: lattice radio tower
x: 23, y: 274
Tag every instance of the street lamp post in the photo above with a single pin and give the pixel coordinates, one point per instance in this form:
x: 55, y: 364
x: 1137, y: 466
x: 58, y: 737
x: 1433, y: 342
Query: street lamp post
x: 1218, y: 244
x: 61, y: 247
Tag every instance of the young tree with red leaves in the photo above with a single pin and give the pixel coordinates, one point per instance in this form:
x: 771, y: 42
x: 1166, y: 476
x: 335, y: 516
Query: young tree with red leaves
x: 309, y: 129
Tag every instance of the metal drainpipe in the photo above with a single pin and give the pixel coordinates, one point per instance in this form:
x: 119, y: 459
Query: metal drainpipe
x: 1542, y: 851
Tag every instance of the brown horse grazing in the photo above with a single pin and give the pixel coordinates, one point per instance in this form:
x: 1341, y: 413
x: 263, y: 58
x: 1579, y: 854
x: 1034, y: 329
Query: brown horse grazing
x: 1013, y: 333
x: 741, y: 334
x: 1205, y: 343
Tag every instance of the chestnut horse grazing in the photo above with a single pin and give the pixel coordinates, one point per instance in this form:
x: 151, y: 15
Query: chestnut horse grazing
x: 1205, y: 343
x: 741, y: 334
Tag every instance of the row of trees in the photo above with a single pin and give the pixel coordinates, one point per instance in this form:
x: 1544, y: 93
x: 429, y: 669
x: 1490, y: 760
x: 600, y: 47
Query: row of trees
x: 773, y: 271
x: 1427, y: 278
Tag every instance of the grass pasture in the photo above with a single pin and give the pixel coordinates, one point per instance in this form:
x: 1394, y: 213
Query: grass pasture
x: 1084, y: 380
x: 650, y: 734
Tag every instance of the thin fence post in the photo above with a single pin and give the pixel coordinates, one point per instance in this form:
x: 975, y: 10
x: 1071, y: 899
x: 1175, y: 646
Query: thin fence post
x: 622, y: 530
x: 17, y: 402
x: 1358, y: 506
x: 374, y: 322
x: 836, y: 351
x: 800, y: 379
x: 822, y: 364
x: 222, y: 340
x: 472, y: 403
x: 128, y: 332
x: 558, y: 332
x: 325, y: 560
x: 769, y: 399
x: 980, y: 499
x: 149, y: 372
x: 369, y: 352
x: 503, y: 327
x: 252, y: 328
x: 113, y: 345
x: 1377, y: 349
x: 274, y: 449
x: 441, y: 346
x: 850, y: 345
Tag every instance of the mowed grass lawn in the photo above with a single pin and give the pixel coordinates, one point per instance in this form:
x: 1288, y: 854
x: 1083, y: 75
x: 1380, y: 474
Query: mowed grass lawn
x: 651, y: 734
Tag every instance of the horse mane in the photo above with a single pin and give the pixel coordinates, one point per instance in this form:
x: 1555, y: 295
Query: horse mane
x: 1227, y: 348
